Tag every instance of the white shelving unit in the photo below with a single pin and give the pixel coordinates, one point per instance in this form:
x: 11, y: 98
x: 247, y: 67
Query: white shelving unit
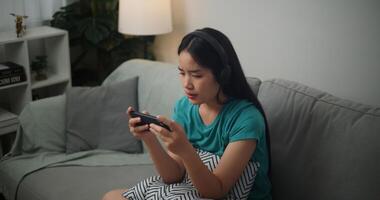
x: 49, y: 41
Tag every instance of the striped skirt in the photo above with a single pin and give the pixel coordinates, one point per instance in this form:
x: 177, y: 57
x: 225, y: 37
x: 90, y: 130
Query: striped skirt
x: 154, y: 188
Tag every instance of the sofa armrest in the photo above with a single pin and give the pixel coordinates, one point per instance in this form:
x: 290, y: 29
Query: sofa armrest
x: 322, y: 146
x: 42, y: 127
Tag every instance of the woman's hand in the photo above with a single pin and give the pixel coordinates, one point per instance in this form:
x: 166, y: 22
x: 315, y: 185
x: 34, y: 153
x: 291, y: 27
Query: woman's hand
x: 170, y: 169
x: 175, y: 141
x: 140, y: 132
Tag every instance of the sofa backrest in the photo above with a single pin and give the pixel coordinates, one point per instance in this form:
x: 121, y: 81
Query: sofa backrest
x: 158, y: 84
x: 322, y: 147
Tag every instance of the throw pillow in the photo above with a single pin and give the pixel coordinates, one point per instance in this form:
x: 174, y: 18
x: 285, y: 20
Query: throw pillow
x: 96, y: 119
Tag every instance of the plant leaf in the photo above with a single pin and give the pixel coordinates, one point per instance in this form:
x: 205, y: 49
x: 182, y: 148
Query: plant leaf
x: 95, y: 32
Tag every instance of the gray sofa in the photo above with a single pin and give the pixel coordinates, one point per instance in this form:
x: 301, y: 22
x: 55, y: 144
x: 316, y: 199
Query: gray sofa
x: 322, y: 147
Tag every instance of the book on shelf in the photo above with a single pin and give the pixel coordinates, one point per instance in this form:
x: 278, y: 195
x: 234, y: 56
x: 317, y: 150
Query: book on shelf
x: 8, y: 121
x: 15, y: 78
x: 11, y: 73
x: 7, y: 68
x: 7, y: 118
x: 8, y: 129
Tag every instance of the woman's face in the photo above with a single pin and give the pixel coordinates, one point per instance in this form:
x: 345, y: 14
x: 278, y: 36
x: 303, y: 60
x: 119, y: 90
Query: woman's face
x: 198, y: 82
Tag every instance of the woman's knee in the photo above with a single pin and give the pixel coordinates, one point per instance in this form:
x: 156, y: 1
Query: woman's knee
x: 114, y: 195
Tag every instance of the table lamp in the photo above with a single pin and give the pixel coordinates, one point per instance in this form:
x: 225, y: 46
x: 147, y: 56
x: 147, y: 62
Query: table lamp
x: 145, y: 18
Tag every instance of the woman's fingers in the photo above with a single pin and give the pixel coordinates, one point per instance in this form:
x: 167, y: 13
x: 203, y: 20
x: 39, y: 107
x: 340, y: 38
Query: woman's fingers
x: 170, y: 123
x: 129, y: 111
x: 134, y: 127
x: 139, y: 129
x: 158, y: 130
x: 133, y: 121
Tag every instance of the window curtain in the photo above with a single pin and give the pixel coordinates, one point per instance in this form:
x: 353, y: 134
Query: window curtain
x: 39, y: 12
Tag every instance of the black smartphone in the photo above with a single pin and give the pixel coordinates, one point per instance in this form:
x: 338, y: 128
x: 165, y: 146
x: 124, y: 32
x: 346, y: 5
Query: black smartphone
x: 148, y: 119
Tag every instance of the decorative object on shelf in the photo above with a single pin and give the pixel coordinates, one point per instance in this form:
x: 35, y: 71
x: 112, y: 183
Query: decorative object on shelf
x: 156, y: 19
x: 94, y: 38
x: 20, y: 26
x: 11, y: 73
x: 39, y: 66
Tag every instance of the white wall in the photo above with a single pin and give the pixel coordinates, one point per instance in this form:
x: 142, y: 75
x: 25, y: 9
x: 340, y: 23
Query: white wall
x: 332, y: 45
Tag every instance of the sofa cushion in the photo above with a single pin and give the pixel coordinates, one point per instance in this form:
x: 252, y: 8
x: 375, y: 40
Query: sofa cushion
x: 323, y: 147
x: 81, y: 182
x: 159, y: 85
x: 96, y: 117
x: 42, y: 124
x: 254, y: 83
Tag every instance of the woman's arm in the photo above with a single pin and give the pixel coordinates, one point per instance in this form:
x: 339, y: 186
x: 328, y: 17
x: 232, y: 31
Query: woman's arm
x: 168, y: 165
x: 209, y: 184
x: 218, y: 183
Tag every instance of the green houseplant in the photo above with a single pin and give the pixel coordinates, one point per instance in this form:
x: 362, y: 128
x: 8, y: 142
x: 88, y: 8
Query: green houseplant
x: 39, y: 66
x: 95, y: 40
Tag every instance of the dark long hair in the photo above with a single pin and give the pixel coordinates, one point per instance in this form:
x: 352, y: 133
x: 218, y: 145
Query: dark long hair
x: 234, y: 84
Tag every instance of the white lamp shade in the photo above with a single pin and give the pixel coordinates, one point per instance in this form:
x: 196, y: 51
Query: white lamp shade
x: 145, y: 17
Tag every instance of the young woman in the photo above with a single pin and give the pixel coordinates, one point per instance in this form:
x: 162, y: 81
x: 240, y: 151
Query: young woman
x: 217, y: 147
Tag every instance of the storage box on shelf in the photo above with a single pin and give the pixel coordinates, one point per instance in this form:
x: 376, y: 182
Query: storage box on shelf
x: 8, y: 125
x: 48, y: 41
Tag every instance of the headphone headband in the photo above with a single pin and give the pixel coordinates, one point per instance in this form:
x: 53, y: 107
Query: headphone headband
x: 214, y: 43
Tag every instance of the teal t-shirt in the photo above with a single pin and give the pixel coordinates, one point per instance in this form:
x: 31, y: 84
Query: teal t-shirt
x: 237, y: 120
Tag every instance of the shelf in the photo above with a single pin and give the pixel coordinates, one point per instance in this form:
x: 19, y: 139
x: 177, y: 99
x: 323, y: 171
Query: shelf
x: 54, y: 79
x: 9, y: 37
x: 43, y: 32
x: 31, y: 34
x: 14, y: 85
x: 47, y: 41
